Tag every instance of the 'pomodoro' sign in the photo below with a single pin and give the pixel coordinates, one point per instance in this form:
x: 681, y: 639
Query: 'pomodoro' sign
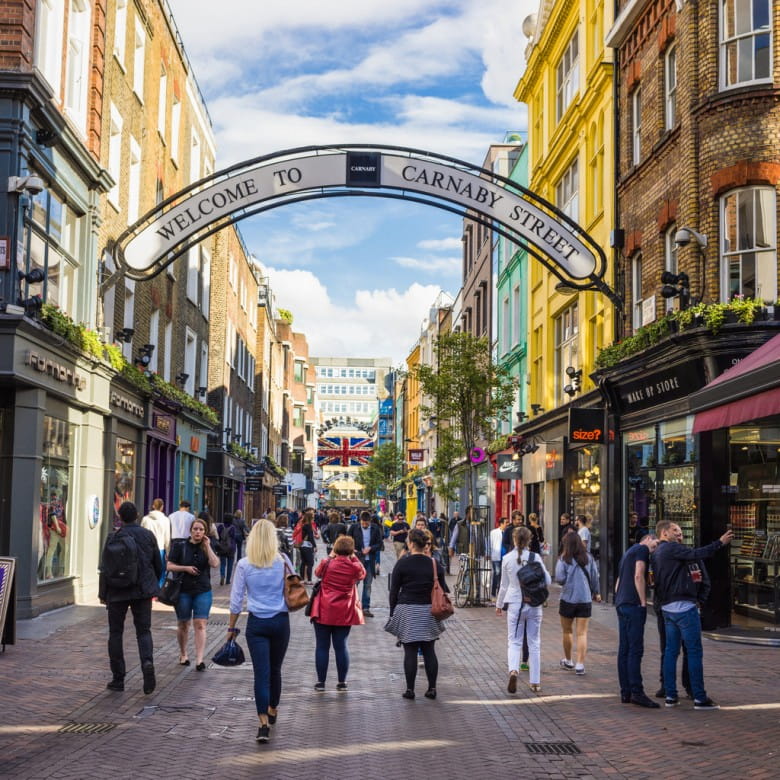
x: 287, y: 176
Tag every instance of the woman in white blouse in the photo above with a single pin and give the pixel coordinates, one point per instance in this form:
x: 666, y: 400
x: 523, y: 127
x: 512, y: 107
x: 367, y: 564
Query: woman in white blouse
x: 520, y: 617
x: 260, y: 577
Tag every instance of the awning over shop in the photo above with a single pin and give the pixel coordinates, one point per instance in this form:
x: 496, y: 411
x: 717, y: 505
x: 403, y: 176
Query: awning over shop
x: 749, y: 390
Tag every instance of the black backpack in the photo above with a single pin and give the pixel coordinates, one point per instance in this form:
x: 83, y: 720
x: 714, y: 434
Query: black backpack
x: 221, y: 546
x: 533, y: 583
x: 120, y: 560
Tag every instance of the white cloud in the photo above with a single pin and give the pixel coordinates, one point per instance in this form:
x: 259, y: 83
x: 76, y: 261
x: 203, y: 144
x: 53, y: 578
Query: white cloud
x: 379, y: 323
x: 430, y: 265
x: 440, y: 244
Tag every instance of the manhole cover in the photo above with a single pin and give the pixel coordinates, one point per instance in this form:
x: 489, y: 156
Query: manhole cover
x: 87, y: 728
x: 552, y: 748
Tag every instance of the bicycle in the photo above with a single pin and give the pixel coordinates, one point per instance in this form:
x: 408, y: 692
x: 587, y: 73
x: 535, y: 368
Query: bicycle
x: 463, y: 580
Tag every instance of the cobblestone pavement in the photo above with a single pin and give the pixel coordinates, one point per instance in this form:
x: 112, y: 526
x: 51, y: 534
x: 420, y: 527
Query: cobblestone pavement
x: 195, y: 725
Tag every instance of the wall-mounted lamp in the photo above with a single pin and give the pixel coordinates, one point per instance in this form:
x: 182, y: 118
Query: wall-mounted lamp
x: 536, y: 408
x: 521, y: 416
x: 236, y: 437
x: 36, y: 276
x: 564, y: 288
x: 181, y: 378
x: 682, y: 290
x: 145, y: 354
x: 125, y: 334
x: 202, y: 391
x: 575, y: 375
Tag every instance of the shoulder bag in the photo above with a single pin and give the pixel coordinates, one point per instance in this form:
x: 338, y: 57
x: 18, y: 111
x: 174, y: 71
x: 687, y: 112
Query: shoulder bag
x: 295, y: 595
x: 171, y: 589
x: 441, y: 606
x: 315, y: 591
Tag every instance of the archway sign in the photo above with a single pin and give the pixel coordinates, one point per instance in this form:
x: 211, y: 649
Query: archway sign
x: 305, y: 173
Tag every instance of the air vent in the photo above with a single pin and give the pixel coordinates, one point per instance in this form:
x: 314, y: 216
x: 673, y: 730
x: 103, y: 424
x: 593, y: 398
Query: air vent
x: 552, y: 748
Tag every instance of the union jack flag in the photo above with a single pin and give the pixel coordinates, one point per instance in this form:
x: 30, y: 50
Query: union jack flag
x: 338, y: 451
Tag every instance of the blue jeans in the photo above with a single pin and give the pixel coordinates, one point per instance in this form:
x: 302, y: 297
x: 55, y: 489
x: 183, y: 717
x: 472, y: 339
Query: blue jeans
x: 685, y: 628
x: 631, y: 648
x: 226, y: 563
x: 267, y: 640
x: 239, y: 549
x: 365, y: 598
x: 325, y: 635
x: 496, y: 580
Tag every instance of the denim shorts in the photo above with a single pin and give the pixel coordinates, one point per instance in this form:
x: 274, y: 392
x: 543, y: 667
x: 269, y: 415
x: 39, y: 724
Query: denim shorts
x: 193, y: 605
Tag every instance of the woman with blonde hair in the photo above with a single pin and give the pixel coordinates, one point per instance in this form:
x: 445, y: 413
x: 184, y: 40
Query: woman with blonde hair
x: 260, y: 577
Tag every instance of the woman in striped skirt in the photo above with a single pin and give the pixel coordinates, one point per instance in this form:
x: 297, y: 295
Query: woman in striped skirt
x: 410, y: 611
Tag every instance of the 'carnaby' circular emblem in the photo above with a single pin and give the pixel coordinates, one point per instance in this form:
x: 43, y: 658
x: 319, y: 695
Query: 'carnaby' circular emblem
x: 477, y: 455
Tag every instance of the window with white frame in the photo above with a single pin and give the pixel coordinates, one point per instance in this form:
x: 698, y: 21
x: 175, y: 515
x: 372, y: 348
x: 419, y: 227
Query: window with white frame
x: 168, y: 343
x: 162, y: 102
x: 204, y: 365
x: 49, y: 23
x: 745, y: 42
x: 636, y: 126
x: 77, y: 65
x: 506, y: 325
x: 636, y: 290
x: 193, y: 273
x: 154, y: 338
x: 115, y: 154
x: 516, y: 314
x: 567, y: 331
x: 567, y: 191
x: 670, y: 88
x: 134, y: 182
x: 670, y: 263
x: 128, y: 318
x: 120, y: 31
x: 175, y: 126
x: 567, y: 81
x: 205, y: 276
x: 190, y: 356
x: 749, y: 244
x: 139, y: 59
x: 195, y: 157
x: 233, y: 271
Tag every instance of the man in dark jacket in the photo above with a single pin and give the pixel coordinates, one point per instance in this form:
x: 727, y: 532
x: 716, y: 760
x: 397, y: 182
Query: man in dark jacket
x: 333, y: 530
x: 368, y: 542
x: 678, y: 579
x: 137, y: 596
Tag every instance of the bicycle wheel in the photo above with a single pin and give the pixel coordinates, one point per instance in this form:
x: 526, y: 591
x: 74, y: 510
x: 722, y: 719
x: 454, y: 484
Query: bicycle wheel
x: 461, y: 588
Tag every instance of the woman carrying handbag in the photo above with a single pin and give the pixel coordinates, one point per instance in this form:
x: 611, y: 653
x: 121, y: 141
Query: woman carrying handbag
x: 260, y: 577
x: 335, y: 609
x: 411, y: 620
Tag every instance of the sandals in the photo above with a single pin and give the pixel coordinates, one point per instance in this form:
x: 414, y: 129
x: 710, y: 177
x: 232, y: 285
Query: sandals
x: 185, y: 662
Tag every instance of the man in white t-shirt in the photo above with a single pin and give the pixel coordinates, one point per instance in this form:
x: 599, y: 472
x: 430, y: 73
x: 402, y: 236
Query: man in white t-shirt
x: 496, y: 548
x: 582, y: 522
x: 181, y: 521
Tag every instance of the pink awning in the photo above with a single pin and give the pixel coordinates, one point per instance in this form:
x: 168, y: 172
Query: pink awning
x: 749, y: 390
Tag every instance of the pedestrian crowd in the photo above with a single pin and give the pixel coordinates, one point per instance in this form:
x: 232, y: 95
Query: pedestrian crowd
x: 270, y: 565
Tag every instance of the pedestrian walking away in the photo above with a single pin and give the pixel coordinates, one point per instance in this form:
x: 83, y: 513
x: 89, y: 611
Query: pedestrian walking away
x: 631, y: 606
x: 130, y: 572
x: 411, y: 621
x: 523, y: 619
x: 335, y: 609
x: 193, y: 558
x: 368, y: 542
x: 333, y: 530
x: 241, y: 533
x: 577, y: 572
x: 681, y: 585
x: 227, y: 535
x: 158, y: 523
x: 260, y: 578
x: 308, y: 546
x: 181, y: 521
x: 497, y: 554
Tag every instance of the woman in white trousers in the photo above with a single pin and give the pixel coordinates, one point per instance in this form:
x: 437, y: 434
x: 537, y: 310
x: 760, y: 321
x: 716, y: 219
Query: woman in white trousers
x: 520, y: 617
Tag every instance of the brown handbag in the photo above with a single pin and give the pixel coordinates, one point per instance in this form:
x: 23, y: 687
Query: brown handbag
x: 441, y: 606
x: 295, y: 595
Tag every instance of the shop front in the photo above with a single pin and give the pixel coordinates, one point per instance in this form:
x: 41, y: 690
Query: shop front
x: 225, y: 479
x: 161, y: 476
x: 52, y: 410
x: 191, y: 462
x: 508, y: 477
x: 673, y: 467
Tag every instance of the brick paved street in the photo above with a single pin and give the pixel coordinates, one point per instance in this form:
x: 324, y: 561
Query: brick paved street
x: 195, y: 725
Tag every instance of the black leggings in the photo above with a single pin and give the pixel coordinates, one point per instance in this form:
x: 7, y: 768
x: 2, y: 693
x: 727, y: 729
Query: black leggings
x: 307, y: 563
x: 410, y: 662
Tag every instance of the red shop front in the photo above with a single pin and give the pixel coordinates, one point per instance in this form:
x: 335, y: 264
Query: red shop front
x: 507, y: 473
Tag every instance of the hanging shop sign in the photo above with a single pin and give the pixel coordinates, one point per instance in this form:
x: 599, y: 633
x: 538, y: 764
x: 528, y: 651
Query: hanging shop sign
x: 508, y: 468
x: 477, y: 455
x: 416, y: 456
x: 586, y: 426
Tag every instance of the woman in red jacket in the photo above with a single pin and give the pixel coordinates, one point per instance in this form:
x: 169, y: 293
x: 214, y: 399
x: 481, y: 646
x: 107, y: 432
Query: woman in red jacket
x: 336, y: 609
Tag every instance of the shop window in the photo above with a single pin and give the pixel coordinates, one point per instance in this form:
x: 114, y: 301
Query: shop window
x: 55, y: 521
x: 745, y: 42
x: 754, y: 515
x: 586, y: 491
x: 124, y: 473
x: 749, y: 244
x: 50, y: 21
x: 678, y: 477
x: 567, y: 192
x: 77, y: 63
x: 639, y: 465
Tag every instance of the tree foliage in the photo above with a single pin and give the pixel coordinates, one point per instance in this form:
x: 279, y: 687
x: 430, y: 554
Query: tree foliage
x: 468, y: 394
x: 385, y: 468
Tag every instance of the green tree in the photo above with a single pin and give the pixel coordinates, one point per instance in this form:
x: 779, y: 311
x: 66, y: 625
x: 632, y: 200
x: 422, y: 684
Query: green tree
x: 385, y: 467
x: 469, y: 394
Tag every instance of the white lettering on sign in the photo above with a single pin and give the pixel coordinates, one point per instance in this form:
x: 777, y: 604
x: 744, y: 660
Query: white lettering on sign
x: 56, y: 371
x: 651, y: 390
x: 127, y: 404
x: 265, y: 181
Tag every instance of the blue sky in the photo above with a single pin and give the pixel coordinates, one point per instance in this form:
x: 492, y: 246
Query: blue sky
x: 359, y: 274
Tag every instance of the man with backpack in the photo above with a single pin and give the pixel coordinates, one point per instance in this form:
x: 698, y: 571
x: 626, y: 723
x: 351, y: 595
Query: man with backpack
x: 523, y: 591
x: 130, y: 571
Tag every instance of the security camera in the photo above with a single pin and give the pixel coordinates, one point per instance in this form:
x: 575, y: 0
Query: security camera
x: 31, y: 185
x: 34, y: 185
x: 684, y: 236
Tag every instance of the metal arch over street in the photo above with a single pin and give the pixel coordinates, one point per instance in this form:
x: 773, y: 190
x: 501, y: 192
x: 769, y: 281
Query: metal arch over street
x: 252, y: 187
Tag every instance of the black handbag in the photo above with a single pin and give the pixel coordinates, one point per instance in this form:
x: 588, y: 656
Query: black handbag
x: 170, y: 591
x: 230, y: 654
x: 315, y: 591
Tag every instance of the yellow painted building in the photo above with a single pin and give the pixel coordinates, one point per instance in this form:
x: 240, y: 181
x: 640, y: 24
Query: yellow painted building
x: 412, y: 425
x: 567, y: 86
